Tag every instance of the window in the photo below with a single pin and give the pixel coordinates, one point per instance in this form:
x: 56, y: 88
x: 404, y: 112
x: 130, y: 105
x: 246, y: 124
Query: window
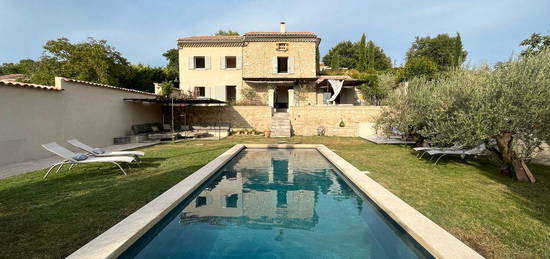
x: 282, y: 46
x: 200, y: 91
x: 200, y: 62
x: 230, y: 93
x: 230, y: 62
x: 201, y: 201
x: 231, y: 201
x: 282, y: 64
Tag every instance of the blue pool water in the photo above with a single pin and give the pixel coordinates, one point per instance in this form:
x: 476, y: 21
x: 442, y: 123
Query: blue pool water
x: 288, y: 203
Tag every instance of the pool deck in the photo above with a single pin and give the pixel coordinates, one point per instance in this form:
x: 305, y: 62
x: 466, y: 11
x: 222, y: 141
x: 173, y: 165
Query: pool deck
x: 121, y: 236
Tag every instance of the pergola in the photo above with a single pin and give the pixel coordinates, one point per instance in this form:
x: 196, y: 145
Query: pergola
x: 181, y: 103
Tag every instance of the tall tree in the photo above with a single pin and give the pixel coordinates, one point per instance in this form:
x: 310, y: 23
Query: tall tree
x: 362, y: 63
x: 349, y: 55
x: 228, y: 32
x: 172, y: 68
x: 444, y: 50
x: 535, y: 44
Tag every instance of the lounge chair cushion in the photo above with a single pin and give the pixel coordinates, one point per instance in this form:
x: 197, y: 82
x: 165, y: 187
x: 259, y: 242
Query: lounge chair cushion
x: 185, y: 127
x: 166, y: 127
x: 80, y: 157
x: 154, y: 129
x: 98, y: 151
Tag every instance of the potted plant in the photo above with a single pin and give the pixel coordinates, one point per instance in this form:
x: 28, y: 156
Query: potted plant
x: 267, y: 133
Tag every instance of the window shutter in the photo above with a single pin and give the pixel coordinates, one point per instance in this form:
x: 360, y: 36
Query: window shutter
x: 221, y: 95
x: 239, y: 62
x: 222, y: 62
x: 191, y: 63
x: 207, y: 91
x: 207, y: 62
x: 290, y: 65
x: 274, y: 62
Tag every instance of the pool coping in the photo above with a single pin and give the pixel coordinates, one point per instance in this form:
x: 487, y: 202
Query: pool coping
x: 121, y: 236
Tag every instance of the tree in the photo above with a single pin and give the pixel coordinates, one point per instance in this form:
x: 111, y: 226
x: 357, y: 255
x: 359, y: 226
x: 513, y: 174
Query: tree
x: 142, y: 77
x: 92, y: 60
x: 228, y: 32
x: 24, y: 66
x: 535, y: 44
x: 172, y: 68
x: 377, y: 87
x: 447, y: 52
x: 506, y: 109
x: 362, y: 53
x: 418, y: 67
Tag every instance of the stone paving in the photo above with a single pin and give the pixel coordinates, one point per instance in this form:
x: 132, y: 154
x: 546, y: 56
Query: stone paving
x: 30, y: 166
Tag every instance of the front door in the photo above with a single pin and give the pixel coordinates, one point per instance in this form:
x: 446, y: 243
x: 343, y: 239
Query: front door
x: 281, y: 98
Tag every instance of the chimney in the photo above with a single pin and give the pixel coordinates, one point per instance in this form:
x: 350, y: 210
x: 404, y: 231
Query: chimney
x: 282, y: 27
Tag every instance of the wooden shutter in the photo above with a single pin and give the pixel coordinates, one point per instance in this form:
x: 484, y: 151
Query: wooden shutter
x: 274, y: 62
x: 222, y: 62
x: 191, y: 63
x: 207, y: 62
x: 239, y: 62
x: 290, y: 65
x: 207, y: 91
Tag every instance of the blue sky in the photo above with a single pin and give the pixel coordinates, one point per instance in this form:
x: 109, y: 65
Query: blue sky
x: 142, y: 30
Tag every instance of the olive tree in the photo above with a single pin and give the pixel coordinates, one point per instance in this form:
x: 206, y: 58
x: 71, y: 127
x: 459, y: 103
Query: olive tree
x: 507, y: 109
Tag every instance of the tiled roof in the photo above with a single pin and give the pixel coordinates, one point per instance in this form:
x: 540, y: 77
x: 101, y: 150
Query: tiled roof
x: 26, y: 85
x: 107, y: 86
x: 280, y: 34
x: 217, y: 38
x: 249, y: 36
x: 11, y: 77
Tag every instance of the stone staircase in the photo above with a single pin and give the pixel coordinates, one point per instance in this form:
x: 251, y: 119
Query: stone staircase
x: 280, y: 125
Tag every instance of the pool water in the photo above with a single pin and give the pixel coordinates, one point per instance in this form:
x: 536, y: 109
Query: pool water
x: 276, y: 203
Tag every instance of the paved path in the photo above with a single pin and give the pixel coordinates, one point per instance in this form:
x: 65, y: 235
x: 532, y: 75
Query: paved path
x: 30, y: 166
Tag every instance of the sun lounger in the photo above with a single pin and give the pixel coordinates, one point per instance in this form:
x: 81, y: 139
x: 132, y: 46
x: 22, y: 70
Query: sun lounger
x: 388, y: 141
x: 457, y: 152
x: 423, y: 150
x: 71, y: 158
x: 101, y: 152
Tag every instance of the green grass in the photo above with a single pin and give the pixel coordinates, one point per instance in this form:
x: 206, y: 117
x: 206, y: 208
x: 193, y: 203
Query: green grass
x: 498, y: 217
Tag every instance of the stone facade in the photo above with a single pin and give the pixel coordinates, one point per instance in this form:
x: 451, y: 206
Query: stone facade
x: 305, y: 120
x: 238, y: 117
x: 260, y: 59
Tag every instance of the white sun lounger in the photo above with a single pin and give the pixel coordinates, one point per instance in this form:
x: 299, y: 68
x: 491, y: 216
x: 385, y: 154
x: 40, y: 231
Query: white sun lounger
x: 423, y: 150
x: 458, y: 152
x: 69, y: 158
x: 94, y: 151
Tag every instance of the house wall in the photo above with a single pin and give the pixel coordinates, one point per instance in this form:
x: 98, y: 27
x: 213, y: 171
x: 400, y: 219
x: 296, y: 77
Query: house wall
x: 256, y: 117
x: 258, y: 59
x: 214, y: 78
x: 305, y: 120
x: 30, y: 117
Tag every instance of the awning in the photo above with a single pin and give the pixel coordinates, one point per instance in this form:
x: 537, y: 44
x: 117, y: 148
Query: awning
x: 175, y: 101
x: 348, y: 81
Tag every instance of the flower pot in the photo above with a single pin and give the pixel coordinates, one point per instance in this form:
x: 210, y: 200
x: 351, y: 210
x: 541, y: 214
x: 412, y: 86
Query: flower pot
x: 267, y: 133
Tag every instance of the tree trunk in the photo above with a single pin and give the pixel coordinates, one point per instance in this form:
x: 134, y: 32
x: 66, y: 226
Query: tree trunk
x: 513, y: 166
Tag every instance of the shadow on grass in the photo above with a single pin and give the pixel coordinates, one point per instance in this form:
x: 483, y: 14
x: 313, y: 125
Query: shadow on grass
x: 532, y: 198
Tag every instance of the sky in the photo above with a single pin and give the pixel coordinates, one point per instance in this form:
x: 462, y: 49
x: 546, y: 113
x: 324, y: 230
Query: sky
x: 491, y: 30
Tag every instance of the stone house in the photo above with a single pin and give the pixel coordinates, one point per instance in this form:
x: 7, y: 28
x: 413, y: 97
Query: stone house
x: 277, y: 69
x: 272, y: 81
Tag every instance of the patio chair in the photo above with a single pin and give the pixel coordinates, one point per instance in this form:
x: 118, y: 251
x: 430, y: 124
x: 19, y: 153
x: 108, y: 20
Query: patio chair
x: 71, y: 158
x: 423, y: 150
x: 460, y: 152
x: 100, y: 152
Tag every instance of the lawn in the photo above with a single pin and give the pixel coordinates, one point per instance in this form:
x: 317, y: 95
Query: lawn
x: 496, y: 216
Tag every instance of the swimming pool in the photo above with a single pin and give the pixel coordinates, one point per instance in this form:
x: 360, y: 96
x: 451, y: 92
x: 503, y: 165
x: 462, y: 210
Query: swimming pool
x: 276, y: 203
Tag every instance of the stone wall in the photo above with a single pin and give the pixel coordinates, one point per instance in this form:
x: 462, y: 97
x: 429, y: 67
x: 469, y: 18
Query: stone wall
x: 306, y: 120
x: 256, y: 117
x: 259, y: 59
x: 93, y: 113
